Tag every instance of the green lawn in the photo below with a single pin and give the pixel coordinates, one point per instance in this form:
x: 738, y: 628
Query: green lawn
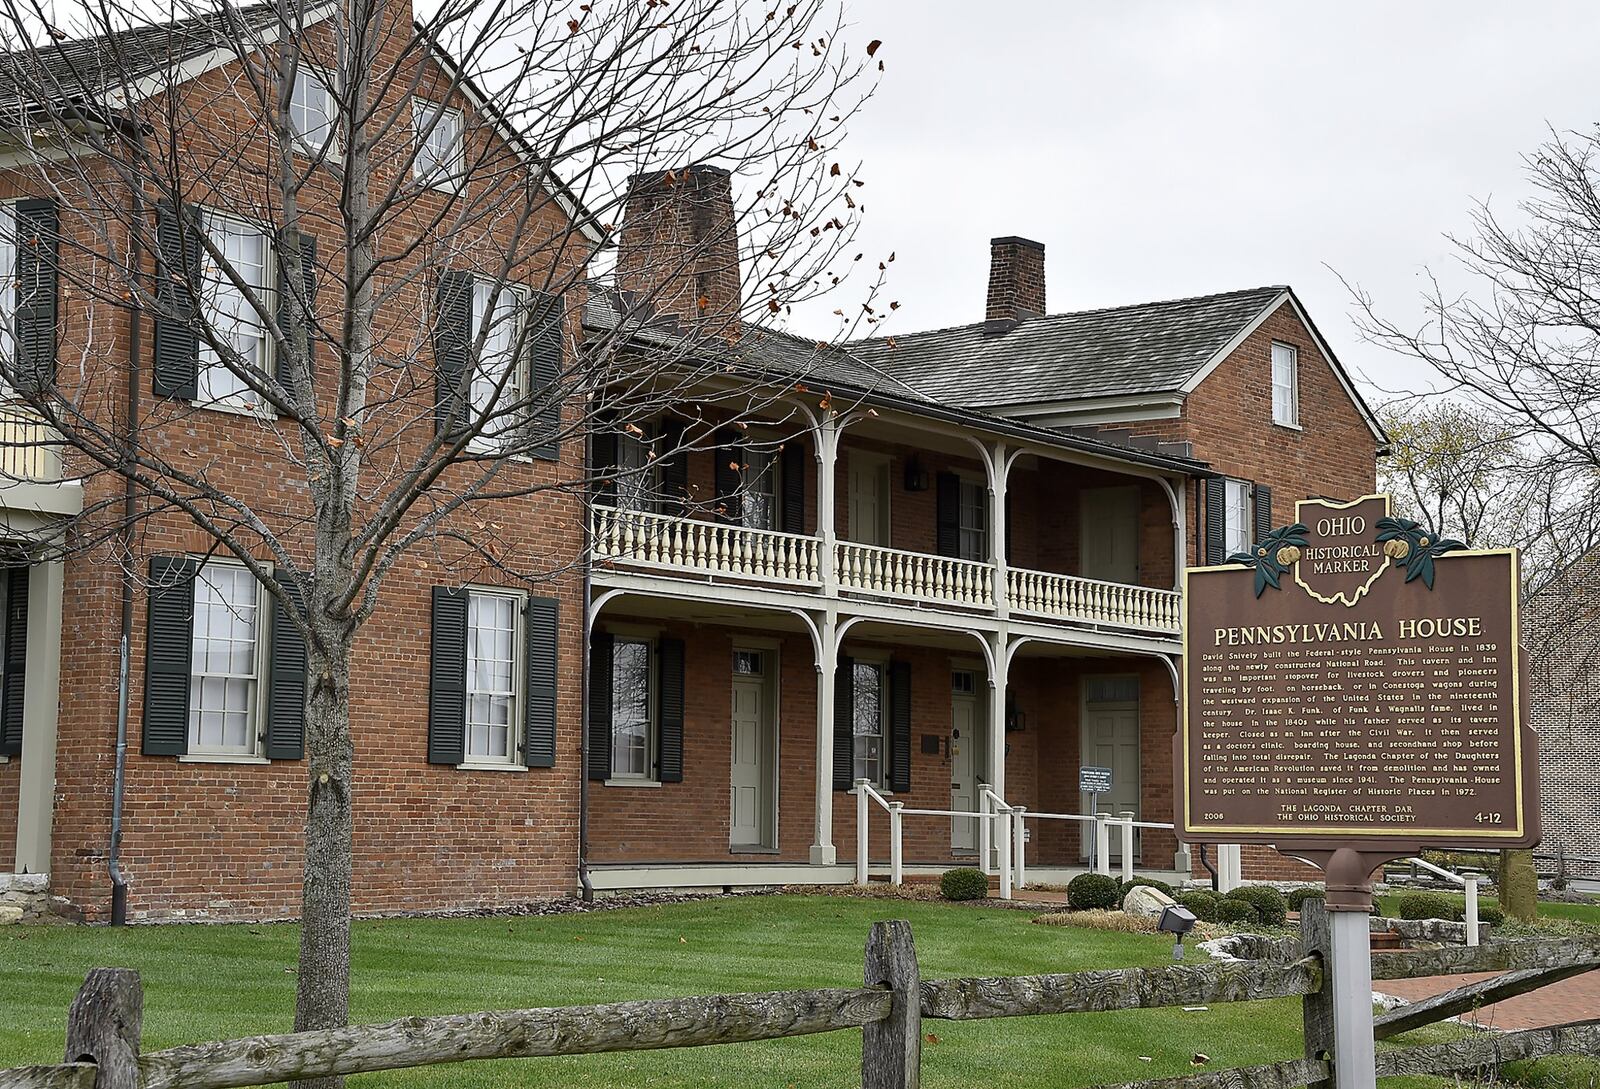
x: 206, y: 982
x: 1577, y: 913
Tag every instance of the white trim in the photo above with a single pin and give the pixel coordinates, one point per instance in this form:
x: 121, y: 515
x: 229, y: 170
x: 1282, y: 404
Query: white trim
x: 1124, y: 408
x: 631, y: 782
x: 489, y: 765
x: 263, y: 681
x: 772, y: 684
x: 621, y: 876
x: 1294, y: 383
x: 221, y: 758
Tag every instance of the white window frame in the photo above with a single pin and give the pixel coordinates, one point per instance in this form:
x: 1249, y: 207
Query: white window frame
x: 859, y: 766
x: 430, y: 168
x: 1286, y: 357
x: 504, y: 348
x: 972, y: 534
x: 8, y: 288
x: 250, y: 753
x: 243, y: 400
x: 763, y: 481
x: 5, y: 586
x: 305, y: 78
x: 1238, y: 516
x: 648, y: 774
x: 636, y: 487
x: 511, y: 760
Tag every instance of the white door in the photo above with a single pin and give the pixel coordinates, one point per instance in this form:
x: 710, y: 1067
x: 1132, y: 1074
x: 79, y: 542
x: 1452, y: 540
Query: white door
x: 1111, y: 740
x: 1109, y: 530
x: 869, y: 499
x: 966, y: 739
x: 751, y: 757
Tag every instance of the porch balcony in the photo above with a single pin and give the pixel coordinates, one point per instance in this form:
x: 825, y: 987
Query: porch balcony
x: 670, y: 545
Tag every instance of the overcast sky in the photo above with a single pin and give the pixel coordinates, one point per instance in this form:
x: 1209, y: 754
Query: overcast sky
x: 1165, y: 149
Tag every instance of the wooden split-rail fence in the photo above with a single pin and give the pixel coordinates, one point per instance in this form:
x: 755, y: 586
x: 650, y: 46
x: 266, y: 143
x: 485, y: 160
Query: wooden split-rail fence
x: 890, y: 1009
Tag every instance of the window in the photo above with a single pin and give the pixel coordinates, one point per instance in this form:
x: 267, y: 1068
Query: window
x: 441, y: 152
x: 867, y: 719
x: 963, y: 682
x: 636, y: 488
x: 232, y: 318
x: 974, y: 525
x: 311, y: 112
x: 747, y: 663
x: 492, y: 672
x: 499, y: 406
x: 1239, y: 516
x: 630, y: 709
x: 8, y: 284
x: 224, y: 685
x: 1285, y: 386
x: 757, y: 508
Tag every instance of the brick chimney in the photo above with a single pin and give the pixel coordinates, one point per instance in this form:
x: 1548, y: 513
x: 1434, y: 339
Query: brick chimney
x: 1016, y: 279
x: 679, y: 249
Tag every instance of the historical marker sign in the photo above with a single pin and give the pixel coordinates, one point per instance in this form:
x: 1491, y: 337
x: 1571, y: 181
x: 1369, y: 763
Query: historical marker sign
x: 1355, y: 684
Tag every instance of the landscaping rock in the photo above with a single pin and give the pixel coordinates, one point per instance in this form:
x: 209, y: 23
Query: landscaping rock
x: 10, y: 913
x: 1146, y: 901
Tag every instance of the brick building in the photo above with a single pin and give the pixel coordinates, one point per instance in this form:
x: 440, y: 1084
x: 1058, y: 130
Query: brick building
x: 946, y: 563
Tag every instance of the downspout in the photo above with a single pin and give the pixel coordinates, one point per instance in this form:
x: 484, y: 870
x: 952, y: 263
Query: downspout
x: 1216, y: 882
x: 583, y: 693
x: 119, y: 880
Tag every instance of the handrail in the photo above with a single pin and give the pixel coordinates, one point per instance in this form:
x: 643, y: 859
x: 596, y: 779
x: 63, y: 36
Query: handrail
x: 1095, y: 601
x: 922, y: 576
x: 1468, y: 884
x: 665, y: 540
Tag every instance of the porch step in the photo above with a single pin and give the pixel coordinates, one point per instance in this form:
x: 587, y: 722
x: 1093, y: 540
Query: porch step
x: 1387, y: 941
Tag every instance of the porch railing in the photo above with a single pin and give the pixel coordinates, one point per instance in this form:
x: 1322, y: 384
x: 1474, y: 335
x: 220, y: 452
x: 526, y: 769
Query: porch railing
x: 1068, y: 597
x: 916, y: 576
x: 712, y: 547
x: 30, y: 449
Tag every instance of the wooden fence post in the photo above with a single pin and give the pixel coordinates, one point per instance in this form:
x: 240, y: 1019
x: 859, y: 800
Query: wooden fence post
x: 1316, y: 938
x: 104, y: 1024
x: 891, y: 1049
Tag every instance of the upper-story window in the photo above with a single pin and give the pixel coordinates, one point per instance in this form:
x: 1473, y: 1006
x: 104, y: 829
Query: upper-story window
x: 493, y: 636
x: 636, y: 483
x: 757, y: 508
x: 233, y: 318
x: 311, y: 111
x: 1239, y: 517
x: 1285, y: 385
x: 499, y: 381
x: 8, y: 284
x: 441, y: 151
x: 974, y: 521
x: 224, y: 688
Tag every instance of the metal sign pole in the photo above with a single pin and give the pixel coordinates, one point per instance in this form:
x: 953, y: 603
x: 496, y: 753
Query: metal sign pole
x: 1354, y: 1052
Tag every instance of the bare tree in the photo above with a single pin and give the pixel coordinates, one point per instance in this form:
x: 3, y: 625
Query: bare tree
x: 301, y: 232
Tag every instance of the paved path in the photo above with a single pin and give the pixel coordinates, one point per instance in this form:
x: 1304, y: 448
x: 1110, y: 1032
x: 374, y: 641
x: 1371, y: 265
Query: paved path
x: 1570, y: 1000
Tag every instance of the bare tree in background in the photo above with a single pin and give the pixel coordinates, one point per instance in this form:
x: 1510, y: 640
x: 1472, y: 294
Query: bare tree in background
x: 324, y: 343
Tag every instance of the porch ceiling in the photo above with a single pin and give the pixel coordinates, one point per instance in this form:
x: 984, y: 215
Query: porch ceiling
x: 694, y: 611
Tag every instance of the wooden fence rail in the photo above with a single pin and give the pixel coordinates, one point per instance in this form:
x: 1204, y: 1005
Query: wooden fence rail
x: 105, y: 1021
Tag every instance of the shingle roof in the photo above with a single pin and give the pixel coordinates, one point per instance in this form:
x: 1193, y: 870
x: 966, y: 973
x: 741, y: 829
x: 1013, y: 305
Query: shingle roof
x: 1147, y: 348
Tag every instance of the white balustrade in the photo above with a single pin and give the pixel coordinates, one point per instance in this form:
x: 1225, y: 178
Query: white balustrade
x: 660, y: 540
x: 1067, y: 597
x: 915, y: 576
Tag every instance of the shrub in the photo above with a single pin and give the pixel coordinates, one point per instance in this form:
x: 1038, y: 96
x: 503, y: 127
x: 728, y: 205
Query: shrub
x: 964, y: 883
x: 1489, y: 913
x: 1092, y: 890
x: 1231, y: 910
x: 1102, y: 920
x: 1202, y: 903
x: 1296, y: 897
x: 1428, y: 905
x: 1149, y: 882
x: 1271, y: 908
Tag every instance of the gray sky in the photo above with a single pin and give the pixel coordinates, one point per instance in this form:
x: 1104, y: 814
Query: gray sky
x: 1164, y: 149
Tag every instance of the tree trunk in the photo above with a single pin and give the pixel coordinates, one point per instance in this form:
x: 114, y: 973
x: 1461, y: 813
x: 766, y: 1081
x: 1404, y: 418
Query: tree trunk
x: 1519, y: 886
x: 322, y: 993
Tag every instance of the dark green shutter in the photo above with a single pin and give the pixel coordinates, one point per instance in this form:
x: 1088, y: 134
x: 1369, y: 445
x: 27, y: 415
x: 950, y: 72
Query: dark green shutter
x: 899, y: 726
x: 167, y: 656
x: 674, y: 463
x: 599, y: 725
x: 452, y: 348
x: 669, y: 698
x: 1216, y: 519
x: 15, y: 682
x: 447, y: 678
x: 844, y: 723
x: 603, y: 453
x: 286, y: 678
x: 544, y: 369
x: 290, y: 302
x: 38, y: 251
x: 539, y: 720
x: 947, y: 514
x: 1263, y: 511
x: 729, y: 477
x: 177, y: 348
x: 793, y: 473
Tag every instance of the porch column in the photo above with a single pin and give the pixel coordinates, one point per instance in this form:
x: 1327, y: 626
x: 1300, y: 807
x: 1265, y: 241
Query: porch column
x: 827, y: 432
x: 998, y: 464
x: 40, y: 701
x: 1178, y: 497
x: 822, y: 849
x: 997, y: 725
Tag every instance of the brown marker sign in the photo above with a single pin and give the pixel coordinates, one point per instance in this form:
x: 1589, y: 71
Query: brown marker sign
x: 1355, y: 685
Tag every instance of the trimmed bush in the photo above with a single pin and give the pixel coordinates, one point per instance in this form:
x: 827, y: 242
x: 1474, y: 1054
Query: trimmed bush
x: 1202, y: 903
x: 1232, y: 911
x: 1296, y: 897
x: 1148, y: 882
x: 1271, y: 908
x: 964, y: 883
x: 1428, y: 905
x: 1092, y: 890
x: 1489, y: 913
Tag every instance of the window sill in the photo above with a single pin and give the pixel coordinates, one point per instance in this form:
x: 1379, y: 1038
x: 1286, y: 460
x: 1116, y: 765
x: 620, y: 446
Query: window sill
x: 1287, y: 426
x: 752, y: 849
x: 652, y: 783
x: 222, y: 758
x: 484, y: 765
x: 266, y: 412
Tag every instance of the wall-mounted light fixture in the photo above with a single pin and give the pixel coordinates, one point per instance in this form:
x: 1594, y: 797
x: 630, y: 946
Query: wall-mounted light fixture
x: 1016, y: 721
x: 916, y: 476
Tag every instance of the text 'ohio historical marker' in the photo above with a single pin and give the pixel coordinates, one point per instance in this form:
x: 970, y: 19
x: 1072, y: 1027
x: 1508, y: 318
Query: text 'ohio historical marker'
x: 1352, y: 683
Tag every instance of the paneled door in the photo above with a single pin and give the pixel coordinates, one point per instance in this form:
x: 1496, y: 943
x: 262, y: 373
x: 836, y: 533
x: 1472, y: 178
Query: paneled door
x: 966, y: 739
x: 1109, y: 531
x: 868, y: 482
x: 1111, y: 740
x: 751, y: 758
